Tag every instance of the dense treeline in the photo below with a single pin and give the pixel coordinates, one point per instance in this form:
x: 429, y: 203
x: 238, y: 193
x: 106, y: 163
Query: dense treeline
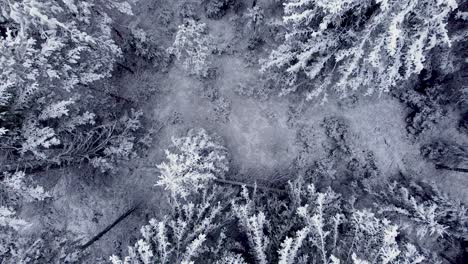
x: 60, y: 107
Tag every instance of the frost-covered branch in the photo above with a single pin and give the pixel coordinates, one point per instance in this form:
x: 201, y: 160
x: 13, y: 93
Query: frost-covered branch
x: 197, y: 159
x: 348, y: 46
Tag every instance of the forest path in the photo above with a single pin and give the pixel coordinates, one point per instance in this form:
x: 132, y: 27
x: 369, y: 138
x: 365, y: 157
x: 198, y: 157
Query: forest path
x: 263, y: 143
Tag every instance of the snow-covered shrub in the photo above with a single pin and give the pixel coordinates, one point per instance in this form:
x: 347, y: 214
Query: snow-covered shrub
x: 252, y: 44
x: 345, y: 46
x: 193, y: 47
x: 196, y: 160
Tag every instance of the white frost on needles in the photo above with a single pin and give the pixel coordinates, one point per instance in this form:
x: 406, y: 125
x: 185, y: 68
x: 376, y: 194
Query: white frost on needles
x: 197, y: 160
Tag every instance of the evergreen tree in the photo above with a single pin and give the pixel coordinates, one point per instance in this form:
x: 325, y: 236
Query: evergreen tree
x: 350, y: 46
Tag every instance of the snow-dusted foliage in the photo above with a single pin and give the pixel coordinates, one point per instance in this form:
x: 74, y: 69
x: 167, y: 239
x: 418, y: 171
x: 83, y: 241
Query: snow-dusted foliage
x: 16, y: 183
x: 105, y: 145
x: 255, y: 16
x: 182, y: 237
x: 305, y: 226
x: 421, y: 208
x: 193, y: 47
x: 9, y: 226
x: 16, y: 189
x: 50, y: 54
x: 319, y: 227
x: 197, y: 159
x: 148, y: 47
x: 53, y: 45
x: 346, y: 46
x: 8, y: 219
x: 446, y: 153
x: 61, y: 138
x: 45, y: 247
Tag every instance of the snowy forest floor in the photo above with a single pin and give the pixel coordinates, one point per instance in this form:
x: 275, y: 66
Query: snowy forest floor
x: 264, y: 136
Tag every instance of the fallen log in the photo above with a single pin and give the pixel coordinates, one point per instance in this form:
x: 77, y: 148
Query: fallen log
x: 235, y: 183
x: 109, y: 227
x: 248, y: 185
x: 443, y: 167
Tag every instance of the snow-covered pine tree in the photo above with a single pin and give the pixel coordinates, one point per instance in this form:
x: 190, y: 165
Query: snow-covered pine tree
x: 318, y: 227
x: 193, y: 47
x: 50, y: 54
x: 196, y: 160
x: 192, y: 233
x: 305, y: 226
x: 423, y: 211
x: 346, y: 46
x: 54, y: 45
